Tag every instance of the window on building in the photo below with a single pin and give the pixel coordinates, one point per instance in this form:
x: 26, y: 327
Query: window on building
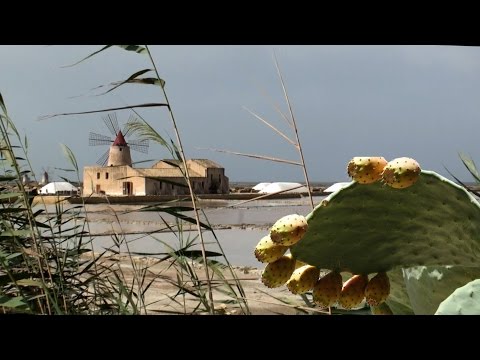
x: 106, y: 175
x: 98, y: 175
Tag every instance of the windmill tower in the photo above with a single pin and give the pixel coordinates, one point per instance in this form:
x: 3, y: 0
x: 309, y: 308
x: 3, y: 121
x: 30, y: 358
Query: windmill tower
x: 44, y: 180
x: 119, y: 152
x: 46, y: 175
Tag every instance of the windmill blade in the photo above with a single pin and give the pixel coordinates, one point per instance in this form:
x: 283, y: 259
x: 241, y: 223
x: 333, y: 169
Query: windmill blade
x: 102, y: 161
x: 126, y: 129
x: 139, y: 145
x: 98, y: 139
x: 111, y: 122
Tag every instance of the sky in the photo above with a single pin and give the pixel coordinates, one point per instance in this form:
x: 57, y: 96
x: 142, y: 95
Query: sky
x: 391, y: 101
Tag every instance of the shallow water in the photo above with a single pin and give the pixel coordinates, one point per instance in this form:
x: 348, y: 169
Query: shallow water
x: 237, y: 244
x: 248, y: 223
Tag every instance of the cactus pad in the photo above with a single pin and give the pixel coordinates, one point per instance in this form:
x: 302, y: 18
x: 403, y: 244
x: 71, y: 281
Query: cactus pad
x: 463, y: 301
x: 373, y: 228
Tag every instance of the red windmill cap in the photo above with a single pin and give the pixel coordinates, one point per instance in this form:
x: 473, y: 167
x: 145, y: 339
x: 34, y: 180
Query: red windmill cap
x: 120, y: 140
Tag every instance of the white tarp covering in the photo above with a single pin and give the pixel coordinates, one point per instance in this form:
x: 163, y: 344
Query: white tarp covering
x: 280, y: 186
x: 59, y: 187
x: 336, y: 186
x: 261, y: 186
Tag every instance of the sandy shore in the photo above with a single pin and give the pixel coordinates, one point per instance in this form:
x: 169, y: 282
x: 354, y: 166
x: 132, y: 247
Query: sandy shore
x: 238, y: 231
x: 158, y: 299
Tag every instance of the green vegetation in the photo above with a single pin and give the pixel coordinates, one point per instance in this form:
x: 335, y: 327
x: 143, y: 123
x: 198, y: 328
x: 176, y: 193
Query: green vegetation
x: 424, y: 236
x: 47, y: 263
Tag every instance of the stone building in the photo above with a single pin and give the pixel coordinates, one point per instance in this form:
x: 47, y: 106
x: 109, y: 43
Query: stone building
x: 164, y: 178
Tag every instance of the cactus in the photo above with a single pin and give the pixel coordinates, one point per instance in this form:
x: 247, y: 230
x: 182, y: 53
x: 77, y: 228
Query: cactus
x: 374, y: 228
x: 303, y: 279
x: 288, y: 230
x: 353, y: 291
x: 428, y: 286
x: 425, y: 237
x: 401, y: 173
x: 277, y: 273
x: 382, y: 309
x: 298, y: 263
x: 398, y: 300
x: 327, y: 289
x: 378, y: 289
x: 366, y: 169
x: 463, y: 301
x: 267, y: 251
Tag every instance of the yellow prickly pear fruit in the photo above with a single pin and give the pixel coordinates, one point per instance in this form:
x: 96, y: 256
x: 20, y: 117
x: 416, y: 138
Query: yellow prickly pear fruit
x: 288, y: 230
x: 303, y: 279
x: 327, y: 289
x: 298, y: 263
x: 353, y: 291
x: 382, y: 309
x: 366, y: 169
x: 267, y: 251
x: 401, y: 173
x: 378, y: 289
x: 278, y: 272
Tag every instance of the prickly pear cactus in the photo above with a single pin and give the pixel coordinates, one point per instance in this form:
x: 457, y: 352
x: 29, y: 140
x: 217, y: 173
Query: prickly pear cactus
x: 463, y: 301
x: 401, y: 173
x: 327, y: 289
x: 428, y: 286
x: 288, y: 230
x: 365, y: 229
x: 277, y: 273
x: 378, y: 289
x: 366, y: 169
x: 382, y: 309
x: 303, y: 279
x: 353, y: 292
x: 420, y: 233
x: 267, y: 251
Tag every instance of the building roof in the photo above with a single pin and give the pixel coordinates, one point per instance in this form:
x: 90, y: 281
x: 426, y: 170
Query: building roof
x: 282, y: 186
x: 165, y: 173
x: 53, y: 187
x: 206, y: 163
x: 261, y: 186
x: 120, y: 140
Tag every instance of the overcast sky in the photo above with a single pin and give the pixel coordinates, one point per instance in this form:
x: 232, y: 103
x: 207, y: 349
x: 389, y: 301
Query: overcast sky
x: 391, y: 101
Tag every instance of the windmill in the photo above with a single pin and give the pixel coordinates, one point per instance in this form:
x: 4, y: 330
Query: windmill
x: 119, y: 152
x: 47, y: 173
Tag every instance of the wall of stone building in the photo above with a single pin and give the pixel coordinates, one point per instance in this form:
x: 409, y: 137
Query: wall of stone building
x: 119, y: 156
x: 158, y: 187
x: 111, y: 181
x: 198, y: 168
x: 216, y: 181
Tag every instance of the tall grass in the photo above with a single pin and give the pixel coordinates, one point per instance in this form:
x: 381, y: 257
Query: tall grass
x: 290, y: 120
x: 47, y: 260
x: 292, y: 123
x: 186, y: 261
x: 42, y: 270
